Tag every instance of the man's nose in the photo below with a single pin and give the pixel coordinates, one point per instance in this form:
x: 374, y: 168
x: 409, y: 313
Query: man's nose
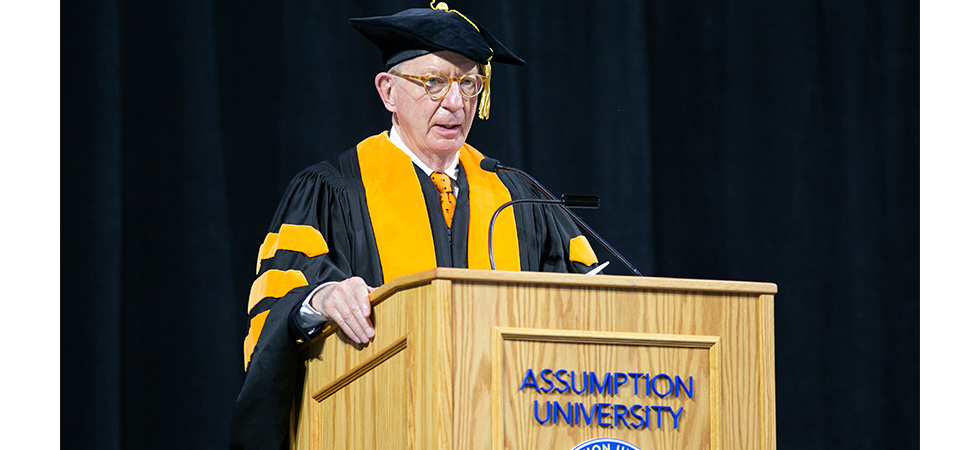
x: 453, y: 100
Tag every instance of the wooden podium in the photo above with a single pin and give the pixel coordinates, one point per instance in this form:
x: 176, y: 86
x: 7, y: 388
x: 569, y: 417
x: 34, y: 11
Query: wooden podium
x: 468, y: 359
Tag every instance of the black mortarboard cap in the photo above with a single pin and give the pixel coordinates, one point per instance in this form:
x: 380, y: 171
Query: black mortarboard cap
x: 417, y: 31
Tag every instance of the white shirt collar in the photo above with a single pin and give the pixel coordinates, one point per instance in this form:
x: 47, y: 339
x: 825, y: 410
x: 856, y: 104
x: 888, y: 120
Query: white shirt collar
x: 452, y: 171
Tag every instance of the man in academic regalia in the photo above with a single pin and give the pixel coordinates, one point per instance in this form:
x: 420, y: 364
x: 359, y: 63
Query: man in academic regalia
x: 406, y: 200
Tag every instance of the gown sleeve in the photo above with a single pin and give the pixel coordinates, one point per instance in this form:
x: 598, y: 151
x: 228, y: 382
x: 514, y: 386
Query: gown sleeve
x: 298, y: 254
x: 564, y: 247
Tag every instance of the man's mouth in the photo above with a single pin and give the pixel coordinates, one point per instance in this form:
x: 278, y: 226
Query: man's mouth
x: 448, y: 127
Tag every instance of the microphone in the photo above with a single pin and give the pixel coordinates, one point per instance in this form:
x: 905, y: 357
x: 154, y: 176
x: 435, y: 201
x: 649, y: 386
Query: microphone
x: 567, y: 201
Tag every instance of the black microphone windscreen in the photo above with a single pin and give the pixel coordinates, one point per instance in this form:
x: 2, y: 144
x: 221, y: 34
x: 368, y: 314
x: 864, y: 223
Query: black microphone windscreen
x: 489, y: 164
x: 580, y: 201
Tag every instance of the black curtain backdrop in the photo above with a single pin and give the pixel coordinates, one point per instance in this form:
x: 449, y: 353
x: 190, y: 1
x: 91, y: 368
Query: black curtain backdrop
x: 742, y: 140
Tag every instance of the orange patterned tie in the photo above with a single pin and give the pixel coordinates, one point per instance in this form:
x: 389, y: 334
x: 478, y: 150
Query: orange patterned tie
x: 446, y: 197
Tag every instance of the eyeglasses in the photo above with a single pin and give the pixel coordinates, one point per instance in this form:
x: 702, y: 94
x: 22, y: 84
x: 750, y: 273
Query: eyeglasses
x: 437, y: 85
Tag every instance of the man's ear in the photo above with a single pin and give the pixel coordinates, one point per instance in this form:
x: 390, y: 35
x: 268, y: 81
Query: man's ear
x: 384, y: 82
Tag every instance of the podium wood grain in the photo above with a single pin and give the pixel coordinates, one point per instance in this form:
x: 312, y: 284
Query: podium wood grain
x: 452, y: 346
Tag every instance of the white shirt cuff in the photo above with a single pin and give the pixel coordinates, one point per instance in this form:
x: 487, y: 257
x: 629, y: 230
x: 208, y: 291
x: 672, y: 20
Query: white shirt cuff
x: 309, y: 318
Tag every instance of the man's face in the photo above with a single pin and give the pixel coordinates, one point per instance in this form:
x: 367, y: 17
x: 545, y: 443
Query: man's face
x: 434, y: 128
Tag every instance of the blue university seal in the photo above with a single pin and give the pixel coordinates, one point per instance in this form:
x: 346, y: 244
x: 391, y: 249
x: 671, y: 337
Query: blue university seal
x: 605, y: 444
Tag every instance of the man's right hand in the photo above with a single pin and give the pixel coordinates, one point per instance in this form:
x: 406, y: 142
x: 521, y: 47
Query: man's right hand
x: 346, y: 304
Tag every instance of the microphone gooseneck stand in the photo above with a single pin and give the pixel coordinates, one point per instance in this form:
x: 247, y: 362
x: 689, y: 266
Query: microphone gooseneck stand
x: 493, y: 165
x: 493, y: 266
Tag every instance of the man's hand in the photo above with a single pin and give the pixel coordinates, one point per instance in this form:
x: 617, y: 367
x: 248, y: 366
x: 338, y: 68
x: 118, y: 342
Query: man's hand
x: 346, y: 304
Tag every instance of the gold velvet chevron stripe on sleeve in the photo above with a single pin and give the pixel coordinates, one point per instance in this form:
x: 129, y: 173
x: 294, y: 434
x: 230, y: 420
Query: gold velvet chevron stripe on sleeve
x: 274, y: 283
x: 254, y: 330
x: 579, y: 250
x: 298, y: 238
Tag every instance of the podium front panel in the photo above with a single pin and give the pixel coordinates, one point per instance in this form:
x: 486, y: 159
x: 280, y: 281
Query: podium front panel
x: 711, y: 339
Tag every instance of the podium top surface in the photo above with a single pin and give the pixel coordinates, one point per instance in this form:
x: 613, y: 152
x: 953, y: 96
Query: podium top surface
x: 566, y: 279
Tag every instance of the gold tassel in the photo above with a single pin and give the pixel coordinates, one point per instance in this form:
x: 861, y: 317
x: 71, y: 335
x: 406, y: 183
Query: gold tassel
x: 484, y: 108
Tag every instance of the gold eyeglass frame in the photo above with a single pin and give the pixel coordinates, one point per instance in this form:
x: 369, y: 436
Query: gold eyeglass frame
x: 423, y: 78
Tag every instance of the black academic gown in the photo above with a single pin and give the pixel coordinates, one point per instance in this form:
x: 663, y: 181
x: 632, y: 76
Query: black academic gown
x: 331, y: 199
